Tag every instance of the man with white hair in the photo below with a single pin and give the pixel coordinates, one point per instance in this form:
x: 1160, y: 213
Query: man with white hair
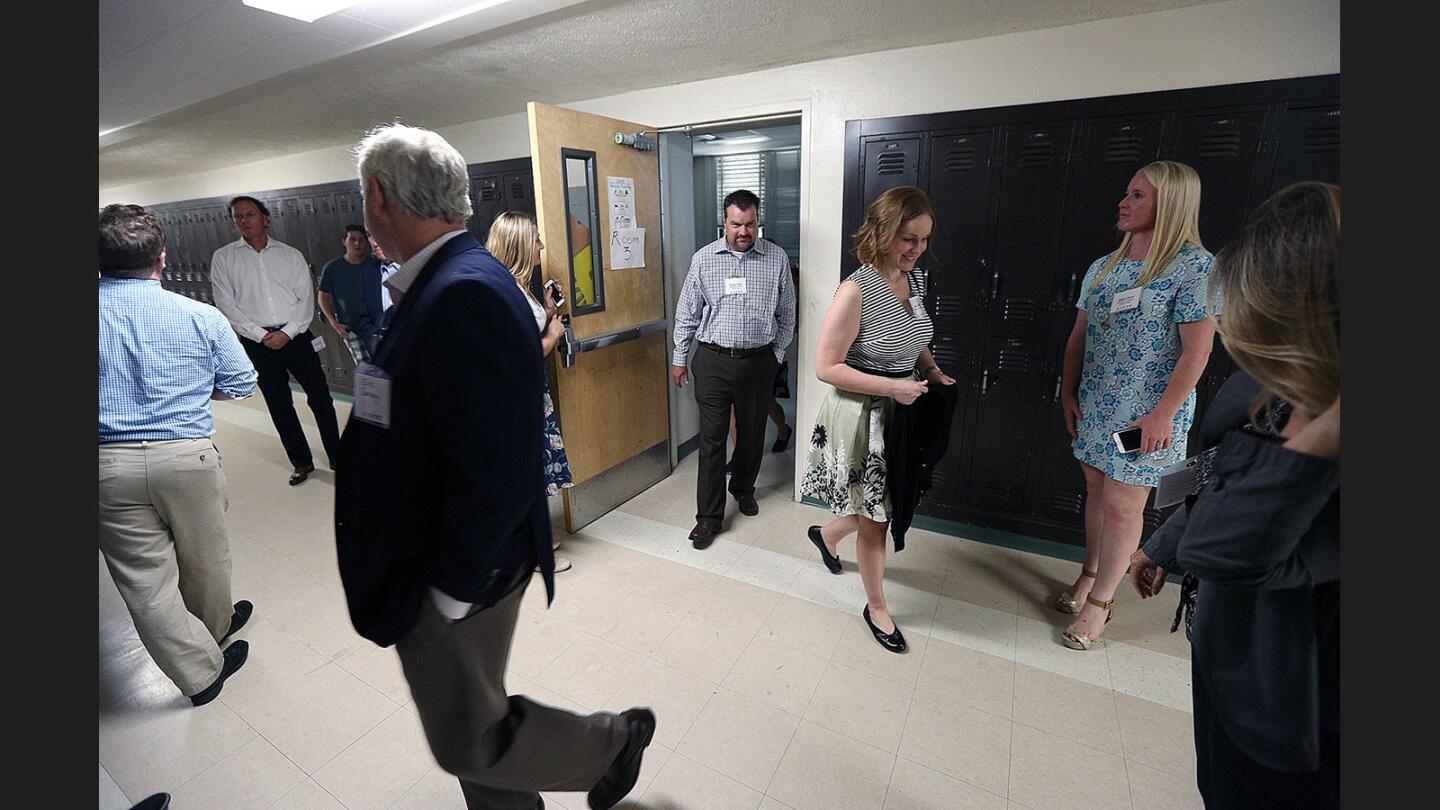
x: 440, y: 512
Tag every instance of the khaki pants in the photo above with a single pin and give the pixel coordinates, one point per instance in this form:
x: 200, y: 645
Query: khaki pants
x: 162, y: 531
x: 504, y: 749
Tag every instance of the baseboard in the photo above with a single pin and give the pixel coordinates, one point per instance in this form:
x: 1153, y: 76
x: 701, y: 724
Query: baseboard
x: 983, y: 534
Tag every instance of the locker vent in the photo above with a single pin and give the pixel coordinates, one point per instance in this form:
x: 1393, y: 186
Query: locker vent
x: 517, y: 190
x: 946, y: 356
x: 1322, y: 138
x: 960, y: 160
x: 1220, y: 145
x: 1153, y: 519
x: 1122, y: 149
x: 1019, y: 309
x: 891, y: 163
x: 1037, y: 155
x: 1017, y: 360
x: 996, y: 491
x: 1072, y: 503
x: 489, y: 191
x: 345, y: 205
x: 947, y: 306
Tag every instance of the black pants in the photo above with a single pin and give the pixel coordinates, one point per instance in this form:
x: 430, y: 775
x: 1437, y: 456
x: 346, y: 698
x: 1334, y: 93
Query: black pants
x: 747, y: 384
x: 297, y: 357
x: 1230, y: 780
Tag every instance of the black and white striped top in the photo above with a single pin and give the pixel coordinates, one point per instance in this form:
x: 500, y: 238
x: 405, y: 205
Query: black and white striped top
x: 890, y: 338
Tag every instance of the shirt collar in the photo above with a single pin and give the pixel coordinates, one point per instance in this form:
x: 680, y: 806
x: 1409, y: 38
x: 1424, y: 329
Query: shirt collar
x: 106, y: 281
x: 410, y: 270
x: 724, y: 247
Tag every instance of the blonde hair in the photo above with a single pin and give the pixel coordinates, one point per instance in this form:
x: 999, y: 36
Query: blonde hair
x: 512, y: 240
x: 885, y: 217
x: 1177, y: 219
x: 1280, y: 286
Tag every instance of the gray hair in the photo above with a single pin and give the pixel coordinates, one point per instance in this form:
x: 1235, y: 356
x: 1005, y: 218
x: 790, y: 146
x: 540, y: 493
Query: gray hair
x: 421, y: 173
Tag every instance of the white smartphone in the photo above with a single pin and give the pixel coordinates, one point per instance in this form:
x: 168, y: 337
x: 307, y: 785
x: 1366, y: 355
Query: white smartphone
x: 553, y: 290
x: 1127, y: 440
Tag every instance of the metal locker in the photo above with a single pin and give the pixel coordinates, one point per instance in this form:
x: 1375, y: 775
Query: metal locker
x: 958, y: 356
x: 889, y: 162
x: 1308, y: 146
x: 1035, y: 170
x: 959, y: 190
x: 1011, y: 390
x: 1223, y: 147
x: 1059, y: 489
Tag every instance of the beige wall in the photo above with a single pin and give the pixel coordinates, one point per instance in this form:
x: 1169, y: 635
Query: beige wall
x: 1246, y: 40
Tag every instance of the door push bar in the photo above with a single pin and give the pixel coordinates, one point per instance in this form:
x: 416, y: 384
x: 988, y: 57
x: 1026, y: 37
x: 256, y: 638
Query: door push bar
x: 570, y: 348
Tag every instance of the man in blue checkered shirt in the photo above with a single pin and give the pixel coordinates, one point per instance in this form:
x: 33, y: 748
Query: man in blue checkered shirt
x: 162, y: 358
x: 738, y: 303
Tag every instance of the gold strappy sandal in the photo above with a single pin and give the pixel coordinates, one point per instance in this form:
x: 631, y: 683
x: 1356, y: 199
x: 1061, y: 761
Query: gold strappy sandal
x: 1064, y: 602
x: 1080, y: 641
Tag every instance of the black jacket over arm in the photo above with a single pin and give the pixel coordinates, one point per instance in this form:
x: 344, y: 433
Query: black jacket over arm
x: 451, y: 495
x: 1263, y: 538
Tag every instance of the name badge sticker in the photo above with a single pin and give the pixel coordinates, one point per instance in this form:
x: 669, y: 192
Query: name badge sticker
x: 318, y: 344
x: 917, y: 308
x: 735, y: 286
x: 372, y: 395
x: 1126, y: 301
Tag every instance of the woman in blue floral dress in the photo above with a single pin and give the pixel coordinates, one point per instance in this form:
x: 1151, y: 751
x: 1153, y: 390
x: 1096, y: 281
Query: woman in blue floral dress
x: 1141, y: 340
x: 515, y: 241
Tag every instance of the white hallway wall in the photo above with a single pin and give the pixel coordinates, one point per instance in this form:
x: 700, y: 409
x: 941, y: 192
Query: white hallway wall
x: 1224, y: 43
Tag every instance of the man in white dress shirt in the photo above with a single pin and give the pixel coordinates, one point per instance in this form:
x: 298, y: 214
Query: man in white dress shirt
x: 265, y: 290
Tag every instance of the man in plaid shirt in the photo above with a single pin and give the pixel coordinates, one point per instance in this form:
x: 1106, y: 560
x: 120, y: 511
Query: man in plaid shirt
x: 738, y: 304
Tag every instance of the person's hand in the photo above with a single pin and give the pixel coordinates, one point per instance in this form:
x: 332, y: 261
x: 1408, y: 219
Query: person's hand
x: 547, y: 300
x: 1320, y: 436
x: 907, y: 391
x: 340, y: 330
x: 936, y: 375
x: 1071, y: 404
x: 1148, y: 577
x: 555, y: 328
x: 680, y: 375
x: 1155, y: 431
x: 275, y: 339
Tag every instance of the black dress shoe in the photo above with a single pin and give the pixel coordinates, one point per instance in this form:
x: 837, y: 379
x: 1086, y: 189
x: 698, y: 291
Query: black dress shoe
x: 892, y: 641
x: 234, y: 658
x: 748, y: 506
x: 831, y: 561
x: 782, y: 441
x: 620, y: 778
x: 299, y: 474
x: 160, y: 801
x: 243, y: 609
x: 703, y: 534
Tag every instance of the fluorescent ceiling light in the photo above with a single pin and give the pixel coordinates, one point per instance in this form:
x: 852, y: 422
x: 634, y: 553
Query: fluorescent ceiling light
x: 303, y: 10
x: 752, y: 137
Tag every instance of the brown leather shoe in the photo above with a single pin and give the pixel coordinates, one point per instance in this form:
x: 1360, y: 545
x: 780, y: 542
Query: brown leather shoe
x: 299, y: 474
x: 703, y: 534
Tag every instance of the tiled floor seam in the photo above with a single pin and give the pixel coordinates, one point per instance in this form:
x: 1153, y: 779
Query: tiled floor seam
x: 930, y: 634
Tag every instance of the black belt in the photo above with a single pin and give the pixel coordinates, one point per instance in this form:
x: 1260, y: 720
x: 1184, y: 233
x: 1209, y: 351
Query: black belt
x: 768, y: 347
x: 894, y: 375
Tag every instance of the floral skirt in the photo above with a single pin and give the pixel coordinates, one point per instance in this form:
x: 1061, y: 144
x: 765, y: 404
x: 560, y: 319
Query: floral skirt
x: 557, y: 464
x: 845, y: 466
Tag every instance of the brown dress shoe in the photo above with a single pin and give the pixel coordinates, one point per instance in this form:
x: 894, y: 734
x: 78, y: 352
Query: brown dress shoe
x: 703, y: 534
x: 299, y: 474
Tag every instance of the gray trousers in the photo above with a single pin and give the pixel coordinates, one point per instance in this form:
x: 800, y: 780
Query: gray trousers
x: 504, y: 749
x: 162, y: 532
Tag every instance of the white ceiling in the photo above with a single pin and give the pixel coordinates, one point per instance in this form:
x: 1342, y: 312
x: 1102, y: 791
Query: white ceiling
x: 189, y: 85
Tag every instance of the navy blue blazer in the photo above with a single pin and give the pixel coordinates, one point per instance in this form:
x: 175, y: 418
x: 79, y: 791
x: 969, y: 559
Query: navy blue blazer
x: 452, y: 494
x: 1263, y: 538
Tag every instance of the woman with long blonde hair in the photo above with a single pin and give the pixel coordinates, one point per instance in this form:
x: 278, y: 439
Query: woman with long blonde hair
x: 514, y: 239
x: 1260, y: 541
x: 1141, y: 340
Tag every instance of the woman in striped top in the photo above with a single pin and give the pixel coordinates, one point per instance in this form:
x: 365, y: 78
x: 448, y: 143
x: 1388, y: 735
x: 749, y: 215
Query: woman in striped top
x: 874, y: 351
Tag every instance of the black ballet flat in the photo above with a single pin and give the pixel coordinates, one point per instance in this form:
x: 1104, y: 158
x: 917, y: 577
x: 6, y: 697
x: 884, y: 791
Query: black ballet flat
x: 831, y: 561
x: 894, y: 642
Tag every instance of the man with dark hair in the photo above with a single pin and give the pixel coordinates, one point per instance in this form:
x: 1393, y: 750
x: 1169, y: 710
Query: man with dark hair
x: 738, y: 303
x: 350, y: 295
x: 264, y: 289
x: 163, y: 357
x: 440, y: 510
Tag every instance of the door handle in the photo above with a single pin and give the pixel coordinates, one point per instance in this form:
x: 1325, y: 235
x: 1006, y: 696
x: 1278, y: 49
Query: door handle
x: 1071, y: 297
x: 573, y: 347
x: 995, y: 283
x: 1056, y: 396
x: 985, y: 381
